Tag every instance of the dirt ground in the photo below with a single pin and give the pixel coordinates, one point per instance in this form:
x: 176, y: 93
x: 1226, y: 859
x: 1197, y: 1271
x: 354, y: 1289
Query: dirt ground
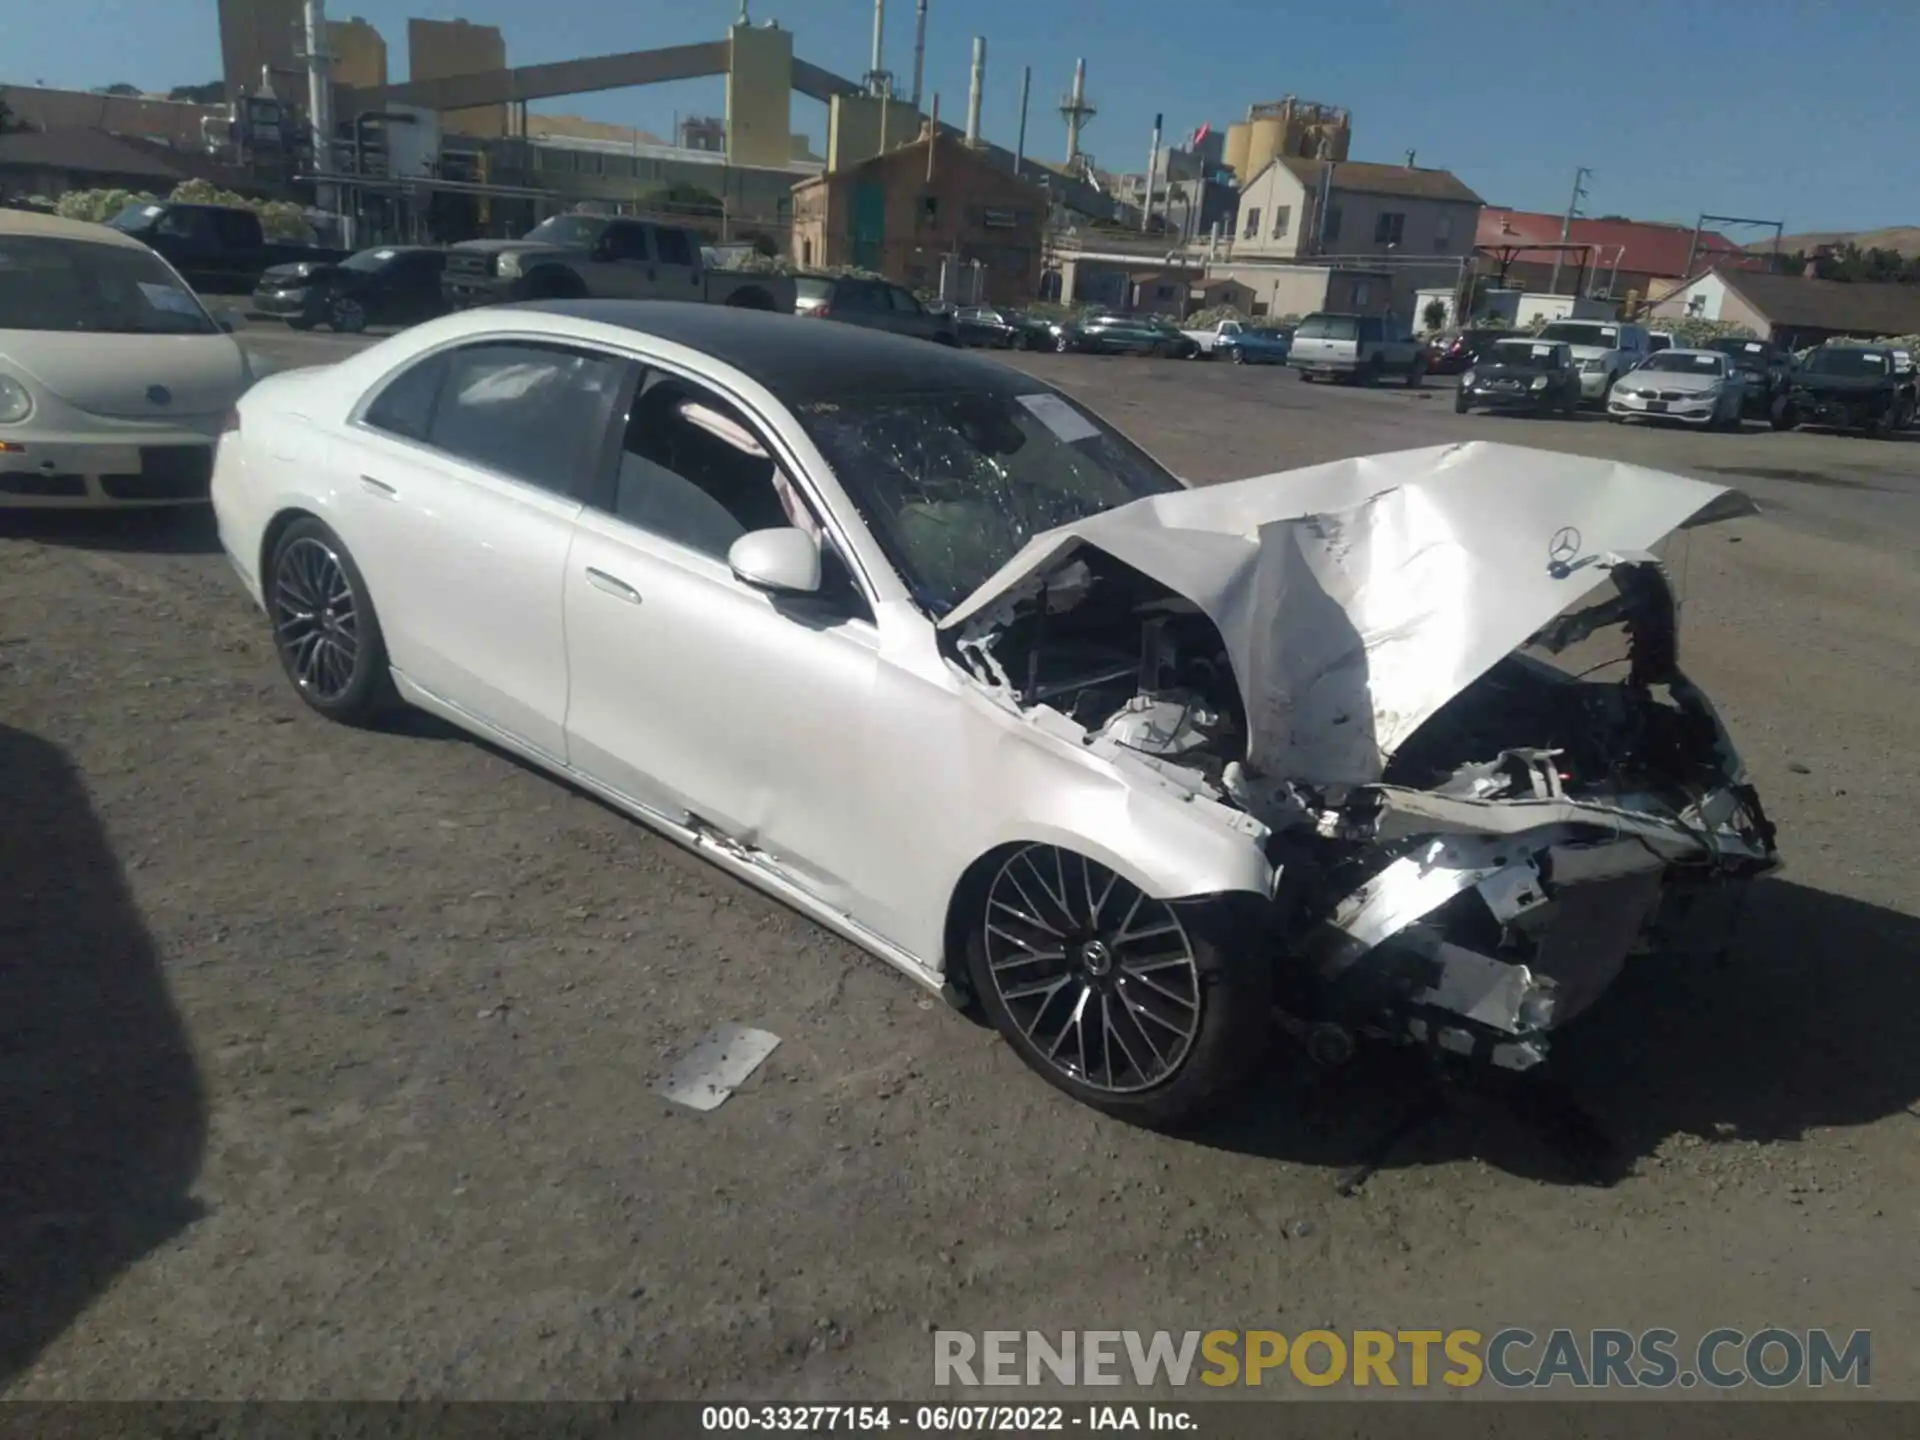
x: 327, y: 1056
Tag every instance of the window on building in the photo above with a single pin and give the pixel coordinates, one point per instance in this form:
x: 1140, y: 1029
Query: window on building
x: 1389, y: 227
x: 1257, y: 309
x: 1331, y: 232
x: 1443, y: 228
x: 1362, y: 292
x: 1253, y: 223
x: 929, y: 209
x: 1282, y: 221
x: 806, y: 252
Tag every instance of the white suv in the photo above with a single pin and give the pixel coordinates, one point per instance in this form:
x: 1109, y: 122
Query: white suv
x: 1604, y: 350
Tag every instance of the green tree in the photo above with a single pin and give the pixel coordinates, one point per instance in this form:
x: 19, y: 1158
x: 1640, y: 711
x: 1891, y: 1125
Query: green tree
x: 1434, y: 315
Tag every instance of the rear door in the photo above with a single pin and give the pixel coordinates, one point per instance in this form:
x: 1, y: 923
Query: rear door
x: 467, y: 471
x: 908, y: 316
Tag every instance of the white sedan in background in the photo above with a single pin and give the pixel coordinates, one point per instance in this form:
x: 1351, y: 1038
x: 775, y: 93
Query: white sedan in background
x: 923, y: 647
x: 1694, y: 387
x: 114, y: 378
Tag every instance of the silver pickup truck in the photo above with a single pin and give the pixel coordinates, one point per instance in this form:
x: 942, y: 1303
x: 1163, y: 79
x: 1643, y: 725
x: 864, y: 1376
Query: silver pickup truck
x: 602, y: 257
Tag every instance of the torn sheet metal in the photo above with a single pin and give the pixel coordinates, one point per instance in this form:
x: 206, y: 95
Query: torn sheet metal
x: 720, y: 1064
x: 1356, y: 598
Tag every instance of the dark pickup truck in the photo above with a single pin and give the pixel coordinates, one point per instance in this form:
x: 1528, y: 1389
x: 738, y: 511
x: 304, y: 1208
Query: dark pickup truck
x: 576, y: 257
x: 1849, y: 387
x: 218, y: 249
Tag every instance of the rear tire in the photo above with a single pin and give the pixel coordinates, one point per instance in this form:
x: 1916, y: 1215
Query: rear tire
x: 1784, y: 417
x: 1069, y: 936
x: 299, y: 322
x: 325, y: 630
x: 1237, y: 355
x: 1416, y: 375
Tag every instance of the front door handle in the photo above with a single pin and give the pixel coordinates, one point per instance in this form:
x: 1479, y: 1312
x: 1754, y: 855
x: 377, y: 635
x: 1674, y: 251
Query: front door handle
x: 377, y: 487
x: 600, y: 580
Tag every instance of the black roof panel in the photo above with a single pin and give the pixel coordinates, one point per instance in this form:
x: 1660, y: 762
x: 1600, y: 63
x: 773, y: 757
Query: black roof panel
x: 795, y: 357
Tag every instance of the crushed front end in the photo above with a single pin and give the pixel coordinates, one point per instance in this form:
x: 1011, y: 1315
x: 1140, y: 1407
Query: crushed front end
x: 1479, y: 775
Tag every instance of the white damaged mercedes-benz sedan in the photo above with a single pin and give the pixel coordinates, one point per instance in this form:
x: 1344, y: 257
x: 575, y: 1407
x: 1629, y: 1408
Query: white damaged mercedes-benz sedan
x: 1396, y: 747
x: 114, y: 378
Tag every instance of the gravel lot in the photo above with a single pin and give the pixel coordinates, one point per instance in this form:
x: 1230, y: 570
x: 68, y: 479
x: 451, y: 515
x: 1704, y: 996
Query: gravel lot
x: 327, y: 1055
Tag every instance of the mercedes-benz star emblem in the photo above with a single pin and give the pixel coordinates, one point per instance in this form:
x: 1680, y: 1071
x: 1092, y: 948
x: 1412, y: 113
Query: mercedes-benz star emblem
x: 159, y: 395
x: 1562, y: 550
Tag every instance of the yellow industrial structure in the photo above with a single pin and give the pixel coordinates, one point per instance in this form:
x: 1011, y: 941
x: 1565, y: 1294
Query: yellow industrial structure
x: 440, y: 49
x: 1288, y: 126
x: 359, y: 54
x: 759, y: 96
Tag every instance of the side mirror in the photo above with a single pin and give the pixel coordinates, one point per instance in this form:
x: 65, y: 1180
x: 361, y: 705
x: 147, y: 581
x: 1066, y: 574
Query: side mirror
x: 785, y: 561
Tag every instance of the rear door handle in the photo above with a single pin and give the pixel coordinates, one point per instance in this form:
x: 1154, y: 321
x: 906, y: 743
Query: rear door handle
x: 377, y: 487
x: 600, y: 580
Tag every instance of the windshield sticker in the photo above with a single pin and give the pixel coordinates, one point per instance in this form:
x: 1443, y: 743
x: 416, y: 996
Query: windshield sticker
x: 1873, y: 355
x: 1061, y: 418
x: 165, y: 297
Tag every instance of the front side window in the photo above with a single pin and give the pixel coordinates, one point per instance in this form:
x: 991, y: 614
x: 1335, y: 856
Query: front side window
x: 536, y: 413
x: 953, y: 484
x: 81, y: 285
x: 626, y: 242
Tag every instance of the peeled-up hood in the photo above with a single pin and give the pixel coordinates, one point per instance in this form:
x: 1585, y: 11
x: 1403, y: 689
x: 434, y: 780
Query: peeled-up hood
x: 1356, y: 598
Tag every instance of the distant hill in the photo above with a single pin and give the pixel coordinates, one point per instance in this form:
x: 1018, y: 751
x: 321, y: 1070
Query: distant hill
x: 1903, y: 238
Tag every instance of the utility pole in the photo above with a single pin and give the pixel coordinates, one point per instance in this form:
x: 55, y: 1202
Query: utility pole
x: 1566, y: 225
x: 1020, y: 145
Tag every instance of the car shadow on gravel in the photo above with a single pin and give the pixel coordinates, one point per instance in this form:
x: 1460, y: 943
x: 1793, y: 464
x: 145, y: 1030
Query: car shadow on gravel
x: 102, y: 1112
x: 1802, y: 1024
x: 173, y: 530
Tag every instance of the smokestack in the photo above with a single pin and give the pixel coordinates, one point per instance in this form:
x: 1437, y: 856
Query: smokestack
x: 1074, y: 113
x: 874, y: 72
x: 320, y: 99
x: 919, y: 49
x: 1153, y: 163
x: 979, y: 83
x: 1020, y: 145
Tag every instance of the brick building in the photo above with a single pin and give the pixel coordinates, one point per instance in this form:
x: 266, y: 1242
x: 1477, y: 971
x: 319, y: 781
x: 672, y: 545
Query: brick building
x: 900, y: 214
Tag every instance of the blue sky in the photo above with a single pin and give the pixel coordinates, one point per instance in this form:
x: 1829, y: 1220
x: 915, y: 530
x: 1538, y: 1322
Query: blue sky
x: 1802, y: 110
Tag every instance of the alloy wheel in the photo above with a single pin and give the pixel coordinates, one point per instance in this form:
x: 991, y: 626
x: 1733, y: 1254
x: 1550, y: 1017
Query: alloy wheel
x: 316, y: 618
x: 1099, y: 977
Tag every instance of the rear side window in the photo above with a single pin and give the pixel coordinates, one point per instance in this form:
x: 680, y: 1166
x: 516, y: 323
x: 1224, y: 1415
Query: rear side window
x: 672, y: 247
x: 236, y: 228
x: 536, y: 413
x: 1370, y: 331
x: 812, y: 287
x: 903, y: 300
x: 405, y: 407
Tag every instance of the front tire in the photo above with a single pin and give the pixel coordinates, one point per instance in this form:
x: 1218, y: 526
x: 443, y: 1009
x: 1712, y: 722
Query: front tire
x: 324, y: 626
x: 1460, y: 404
x: 1120, y: 1000
x: 1417, y: 374
x: 347, y: 317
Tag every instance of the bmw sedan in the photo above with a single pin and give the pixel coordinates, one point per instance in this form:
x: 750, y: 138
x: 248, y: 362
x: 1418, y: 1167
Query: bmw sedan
x: 1693, y: 387
x: 935, y: 654
x: 114, y: 378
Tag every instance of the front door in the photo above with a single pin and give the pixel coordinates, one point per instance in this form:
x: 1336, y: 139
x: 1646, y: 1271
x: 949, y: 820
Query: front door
x: 469, y: 472
x: 698, y: 696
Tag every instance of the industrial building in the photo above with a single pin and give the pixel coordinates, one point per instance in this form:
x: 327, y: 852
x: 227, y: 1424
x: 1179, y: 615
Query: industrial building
x: 936, y: 203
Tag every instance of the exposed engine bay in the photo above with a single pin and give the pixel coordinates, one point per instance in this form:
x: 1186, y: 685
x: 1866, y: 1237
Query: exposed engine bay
x: 1538, y: 827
